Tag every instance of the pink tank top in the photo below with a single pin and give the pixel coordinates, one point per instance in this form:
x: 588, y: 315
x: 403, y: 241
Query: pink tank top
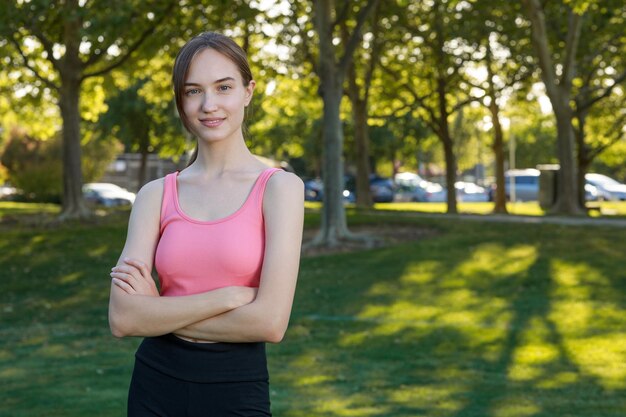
x: 195, y: 256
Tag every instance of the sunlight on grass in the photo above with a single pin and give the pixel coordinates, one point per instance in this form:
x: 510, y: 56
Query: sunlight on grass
x: 74, y: 276
x: 530, y: 208
x: 515, y: 407
x: 426, y: 296
x: 425, y: 396
x: 12, y: 207
x: 533, y: 352
x: 476, y: 320
x: 10, y: 373
x: 602, y: 356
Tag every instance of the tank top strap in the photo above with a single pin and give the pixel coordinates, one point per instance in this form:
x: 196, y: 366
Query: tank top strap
x: 168, y: 204
x: 259, y: 189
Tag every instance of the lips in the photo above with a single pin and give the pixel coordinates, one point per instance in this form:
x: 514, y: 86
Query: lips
x: 212, y: 122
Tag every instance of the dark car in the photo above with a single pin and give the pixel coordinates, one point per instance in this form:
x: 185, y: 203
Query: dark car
x: 381, y: 188
x: 313, y: 190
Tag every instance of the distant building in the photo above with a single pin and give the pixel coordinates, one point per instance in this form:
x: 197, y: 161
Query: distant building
x: 124, y: 171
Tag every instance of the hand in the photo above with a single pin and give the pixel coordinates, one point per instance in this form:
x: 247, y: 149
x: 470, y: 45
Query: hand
x: 134, y: 278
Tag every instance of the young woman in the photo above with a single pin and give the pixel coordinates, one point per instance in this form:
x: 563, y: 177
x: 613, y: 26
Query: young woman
x: 224, y: 234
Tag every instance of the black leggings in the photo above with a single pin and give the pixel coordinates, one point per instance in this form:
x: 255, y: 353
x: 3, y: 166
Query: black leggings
x: 153, y: 393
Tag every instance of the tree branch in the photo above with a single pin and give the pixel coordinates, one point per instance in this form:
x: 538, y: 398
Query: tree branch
x: 421, y: 100
x: 31, y: 68
x: 133, y: 47
x: 607, y: 91
x: 355, y: 38
x: 47, y: 46
x: 375, y: 54
x: 571, y: 45
x: 343, y: 14
x: 465, y: 102
x: 618, y: 128
x: 540, y: 41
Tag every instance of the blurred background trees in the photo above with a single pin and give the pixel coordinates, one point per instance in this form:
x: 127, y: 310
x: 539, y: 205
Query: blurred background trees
x: 435, y: 87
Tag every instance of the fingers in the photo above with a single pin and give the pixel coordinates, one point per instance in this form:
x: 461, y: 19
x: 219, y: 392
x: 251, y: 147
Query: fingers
x: 136, y: 274
x: 123, y: 285
x: 143, y: 269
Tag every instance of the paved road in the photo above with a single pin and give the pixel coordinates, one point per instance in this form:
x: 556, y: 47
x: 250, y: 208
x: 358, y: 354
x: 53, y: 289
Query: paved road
x: 500, y: 218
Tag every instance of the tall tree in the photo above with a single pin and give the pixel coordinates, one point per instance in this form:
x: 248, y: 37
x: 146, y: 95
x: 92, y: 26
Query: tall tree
x: 558, y: 69
x: 427, y: 59
x: 599, y: 86
x: 65, y: 43
x: 502, y: 49
x: 332, y: 72
x: 360, y: 74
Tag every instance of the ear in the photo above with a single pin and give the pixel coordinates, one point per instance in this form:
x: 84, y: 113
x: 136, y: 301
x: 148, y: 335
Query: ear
x: 249, y: 91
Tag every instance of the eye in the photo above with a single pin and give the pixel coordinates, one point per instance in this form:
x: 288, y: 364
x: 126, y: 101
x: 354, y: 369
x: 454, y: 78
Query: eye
x: 224, y: 87
x: 192, y: 91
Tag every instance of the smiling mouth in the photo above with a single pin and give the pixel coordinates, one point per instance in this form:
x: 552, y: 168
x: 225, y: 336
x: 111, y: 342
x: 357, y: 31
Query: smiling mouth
x: 211, y: 122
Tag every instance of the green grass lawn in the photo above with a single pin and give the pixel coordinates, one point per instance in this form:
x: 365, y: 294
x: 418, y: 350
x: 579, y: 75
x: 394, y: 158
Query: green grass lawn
x: 8, y: 208
x: 475, y: 320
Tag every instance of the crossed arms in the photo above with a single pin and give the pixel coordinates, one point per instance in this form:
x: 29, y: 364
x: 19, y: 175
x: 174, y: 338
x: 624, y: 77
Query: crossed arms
x: 230, y: 314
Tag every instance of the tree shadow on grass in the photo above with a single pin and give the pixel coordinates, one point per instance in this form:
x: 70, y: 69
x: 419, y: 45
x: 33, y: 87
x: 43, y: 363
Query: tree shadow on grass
x: 467, y: 328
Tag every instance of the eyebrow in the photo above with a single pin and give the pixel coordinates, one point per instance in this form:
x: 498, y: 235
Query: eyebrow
x: 221, y: 80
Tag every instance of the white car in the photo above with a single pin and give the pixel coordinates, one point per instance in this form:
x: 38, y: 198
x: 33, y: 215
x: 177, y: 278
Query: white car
x: 607, y: 187
x: 465, y: 192
x: 107, y: 194
x: 7, y: 192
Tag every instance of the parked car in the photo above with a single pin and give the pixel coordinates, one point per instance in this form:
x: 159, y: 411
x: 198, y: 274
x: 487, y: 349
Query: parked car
x: 313, y: 190
x: 108, y: 195
x: 7, y: 192
x: 526, y: 185
x: 608, y: 188
x: 468, y: 191
x: 410, y: 187
x: 465, y: 191
x: 381, y: 188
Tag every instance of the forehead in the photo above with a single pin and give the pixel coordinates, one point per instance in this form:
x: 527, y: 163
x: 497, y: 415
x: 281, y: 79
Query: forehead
x: 209, y: 65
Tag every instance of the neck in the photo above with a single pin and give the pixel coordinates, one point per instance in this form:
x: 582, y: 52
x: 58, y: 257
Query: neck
x: 218, y: 157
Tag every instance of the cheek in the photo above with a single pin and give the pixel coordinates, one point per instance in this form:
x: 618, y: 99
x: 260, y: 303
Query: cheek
x: 235, y: 104
x: 189, y: 105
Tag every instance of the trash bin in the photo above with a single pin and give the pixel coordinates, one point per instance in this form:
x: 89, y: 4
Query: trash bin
x: 548, y: 179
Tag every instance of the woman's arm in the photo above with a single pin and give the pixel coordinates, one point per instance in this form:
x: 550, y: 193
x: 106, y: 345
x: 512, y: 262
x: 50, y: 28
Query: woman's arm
x: 267, y: 317
x: 141, y: 311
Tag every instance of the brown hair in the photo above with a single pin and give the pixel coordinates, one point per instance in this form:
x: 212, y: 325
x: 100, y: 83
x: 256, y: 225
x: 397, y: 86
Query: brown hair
x: 220, y: 43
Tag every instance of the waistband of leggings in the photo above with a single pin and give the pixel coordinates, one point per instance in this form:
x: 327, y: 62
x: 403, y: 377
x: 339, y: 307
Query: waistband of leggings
x: 204, y: 362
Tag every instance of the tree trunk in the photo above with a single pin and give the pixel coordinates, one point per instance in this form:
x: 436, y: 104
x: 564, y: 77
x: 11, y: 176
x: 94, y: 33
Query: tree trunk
x: 559, y: 90
x: 567, y: 201
x: 73, y: 203
x: 498, y: 149
x: 143, y: 165
x: 334, y: 225
x: 498, y: 141
x: 361, y: 139
x: 584, y: 157
x: 448, y: 147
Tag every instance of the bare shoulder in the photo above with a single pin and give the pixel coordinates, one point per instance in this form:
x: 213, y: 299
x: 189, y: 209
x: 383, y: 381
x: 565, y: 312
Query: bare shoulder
x: 284, y: 193
x: 283, y: 183
x: 150, y: 195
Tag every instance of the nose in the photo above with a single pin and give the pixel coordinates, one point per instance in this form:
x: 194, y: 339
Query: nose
x: 209, y: 103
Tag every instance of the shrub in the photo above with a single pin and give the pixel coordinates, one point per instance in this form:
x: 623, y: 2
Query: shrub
x: 35, y: 166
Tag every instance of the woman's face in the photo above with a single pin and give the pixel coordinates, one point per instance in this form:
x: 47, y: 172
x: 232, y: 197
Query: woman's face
x: 214, y: 97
